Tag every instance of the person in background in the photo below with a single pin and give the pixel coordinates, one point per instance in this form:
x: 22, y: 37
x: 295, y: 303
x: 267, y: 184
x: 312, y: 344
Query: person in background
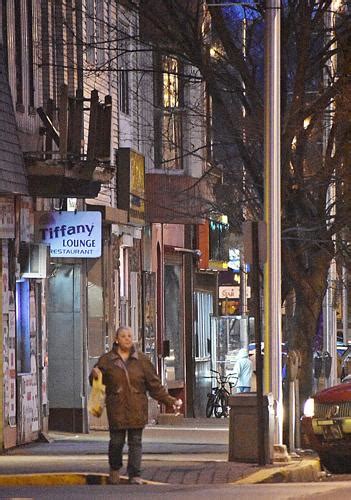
x: 243, y: 371
x: 128, y: 375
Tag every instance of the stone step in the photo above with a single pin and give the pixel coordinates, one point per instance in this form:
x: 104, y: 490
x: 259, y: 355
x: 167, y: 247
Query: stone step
x: 181, y: 421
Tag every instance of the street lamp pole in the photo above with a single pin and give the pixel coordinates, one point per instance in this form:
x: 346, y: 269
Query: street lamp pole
x: 272, y: 210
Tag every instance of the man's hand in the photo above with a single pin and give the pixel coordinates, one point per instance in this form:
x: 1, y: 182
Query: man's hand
x: 177, y: 406
x: 95, y: 372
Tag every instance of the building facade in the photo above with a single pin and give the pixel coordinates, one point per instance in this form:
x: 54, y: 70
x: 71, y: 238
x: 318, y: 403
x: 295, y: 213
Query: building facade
x: 101, y: 195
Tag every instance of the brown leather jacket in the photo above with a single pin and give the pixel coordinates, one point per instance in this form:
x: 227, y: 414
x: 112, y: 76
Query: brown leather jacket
x: 126, y: 386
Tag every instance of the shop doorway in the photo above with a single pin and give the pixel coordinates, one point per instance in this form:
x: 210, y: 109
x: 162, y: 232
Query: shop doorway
x: 174, y: 328
x: 203, y: 311
x: 67, y: 362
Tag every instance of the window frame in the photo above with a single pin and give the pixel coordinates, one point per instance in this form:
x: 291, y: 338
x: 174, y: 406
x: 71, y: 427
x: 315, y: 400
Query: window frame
x: 169, y: 115
x: 19, y: 55
x: 203, y: 304
x: 124, y: 101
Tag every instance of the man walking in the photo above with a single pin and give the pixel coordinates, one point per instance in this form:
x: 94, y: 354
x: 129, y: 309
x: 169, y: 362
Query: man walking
x: 243, y: 371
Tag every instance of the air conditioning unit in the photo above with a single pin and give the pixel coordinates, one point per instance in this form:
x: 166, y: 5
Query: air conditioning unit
x: 33, y: 259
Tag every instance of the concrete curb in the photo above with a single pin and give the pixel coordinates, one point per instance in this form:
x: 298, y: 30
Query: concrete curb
x: 306, y: 470
x: 60, y: 479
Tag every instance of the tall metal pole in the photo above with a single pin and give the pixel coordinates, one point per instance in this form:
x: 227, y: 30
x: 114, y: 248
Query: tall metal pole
x: 329, y: 311
x: 272, y: 208
x: 345, y: 315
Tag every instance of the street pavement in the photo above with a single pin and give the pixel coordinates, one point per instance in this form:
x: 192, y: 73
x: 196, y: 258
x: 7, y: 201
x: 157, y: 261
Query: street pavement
x: 194, y: 455
x: 303, y: 491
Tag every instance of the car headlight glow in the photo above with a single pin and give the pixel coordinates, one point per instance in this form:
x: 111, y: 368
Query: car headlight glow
x: 308, y: 409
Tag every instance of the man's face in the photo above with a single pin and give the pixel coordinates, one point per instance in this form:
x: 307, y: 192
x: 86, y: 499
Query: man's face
x: 124, y: 338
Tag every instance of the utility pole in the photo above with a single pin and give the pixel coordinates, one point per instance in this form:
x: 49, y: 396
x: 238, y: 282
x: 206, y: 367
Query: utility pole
x: 272, y: 210
x: 329, y: 311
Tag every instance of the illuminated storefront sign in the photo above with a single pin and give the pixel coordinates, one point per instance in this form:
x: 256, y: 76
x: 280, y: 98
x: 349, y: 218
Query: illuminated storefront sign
x: 228, y: 292
x: 70, y: 234
x: 131, y: 184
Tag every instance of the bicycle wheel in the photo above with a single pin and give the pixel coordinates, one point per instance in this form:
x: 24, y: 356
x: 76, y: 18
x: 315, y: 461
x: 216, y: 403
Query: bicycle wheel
x: 209, y: 405
x: 220, y: 407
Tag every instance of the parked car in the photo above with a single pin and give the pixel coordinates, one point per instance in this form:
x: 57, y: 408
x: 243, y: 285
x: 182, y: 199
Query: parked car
x: 327, y: 426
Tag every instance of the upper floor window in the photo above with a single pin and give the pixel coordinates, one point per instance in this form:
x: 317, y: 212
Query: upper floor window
x: 3, y: 38
x: 169, y: 115
x: 30, y: 55
x: 18, y: 59
x: 95, y: 32
x: 218, y: 241
x: 170, y: 82
x: 22, y: 50
x: 123, y: 65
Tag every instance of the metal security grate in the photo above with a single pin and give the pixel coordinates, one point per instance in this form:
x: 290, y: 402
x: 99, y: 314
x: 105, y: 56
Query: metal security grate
x: 321, y: 409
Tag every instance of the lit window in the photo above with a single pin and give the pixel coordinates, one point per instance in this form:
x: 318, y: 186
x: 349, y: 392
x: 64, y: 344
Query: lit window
x: 169, y: 118
x: 170, y: 83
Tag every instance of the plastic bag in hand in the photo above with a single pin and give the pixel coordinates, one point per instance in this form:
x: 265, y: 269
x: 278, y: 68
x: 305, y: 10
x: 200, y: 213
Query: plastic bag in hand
x: 96, y: 400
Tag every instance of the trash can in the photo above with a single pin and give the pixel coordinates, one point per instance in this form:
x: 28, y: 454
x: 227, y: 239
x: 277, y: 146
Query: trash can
x: 243, y: 427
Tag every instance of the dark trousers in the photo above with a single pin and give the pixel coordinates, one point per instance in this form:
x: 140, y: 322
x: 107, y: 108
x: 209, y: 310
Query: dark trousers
x: 115, y: 450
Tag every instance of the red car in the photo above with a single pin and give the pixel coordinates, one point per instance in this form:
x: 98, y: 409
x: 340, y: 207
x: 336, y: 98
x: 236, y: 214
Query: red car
x: 327, y: 426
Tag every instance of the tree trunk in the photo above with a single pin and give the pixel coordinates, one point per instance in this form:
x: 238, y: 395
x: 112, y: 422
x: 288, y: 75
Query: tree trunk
x: 309, y: 286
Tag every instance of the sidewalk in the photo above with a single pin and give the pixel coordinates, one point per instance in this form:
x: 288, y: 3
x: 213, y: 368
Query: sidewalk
x: 172, y: 455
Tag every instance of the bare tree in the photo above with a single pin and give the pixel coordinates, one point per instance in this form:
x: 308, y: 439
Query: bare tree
x: 226, y: 45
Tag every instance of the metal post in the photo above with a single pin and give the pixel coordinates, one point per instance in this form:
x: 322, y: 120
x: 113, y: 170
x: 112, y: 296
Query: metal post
x: 345, y: 315
x: 329, y: 311
x: 292, y: 415
x: 243, y: 285
x: 272, y: 206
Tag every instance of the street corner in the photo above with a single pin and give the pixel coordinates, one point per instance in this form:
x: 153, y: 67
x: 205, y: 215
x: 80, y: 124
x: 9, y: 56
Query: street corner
x: 304, y: 470
x: 61, y: 479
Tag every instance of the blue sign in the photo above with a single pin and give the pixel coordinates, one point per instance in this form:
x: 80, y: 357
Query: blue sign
x: 70, y: 234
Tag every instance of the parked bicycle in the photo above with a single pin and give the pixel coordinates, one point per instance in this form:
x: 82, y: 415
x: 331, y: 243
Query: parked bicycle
x: 217, y: 401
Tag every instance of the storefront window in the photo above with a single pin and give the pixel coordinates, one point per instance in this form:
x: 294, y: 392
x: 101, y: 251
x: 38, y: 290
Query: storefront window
x: 229, y: 334
x: 203, y: 306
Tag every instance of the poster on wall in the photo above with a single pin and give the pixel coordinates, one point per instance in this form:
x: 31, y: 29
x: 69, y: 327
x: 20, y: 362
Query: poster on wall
x: 149, y: 286
x: 7, y: 218
x: 5, y: 278
x: 70, y: 234
x: 12, y: 403
x: 44, y: 393
x: 35, y: 404
x: 12, y: 324
x: 24, y: 223
x: 6, y: 371
x: 33, y: 322
x: 12, y: 367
